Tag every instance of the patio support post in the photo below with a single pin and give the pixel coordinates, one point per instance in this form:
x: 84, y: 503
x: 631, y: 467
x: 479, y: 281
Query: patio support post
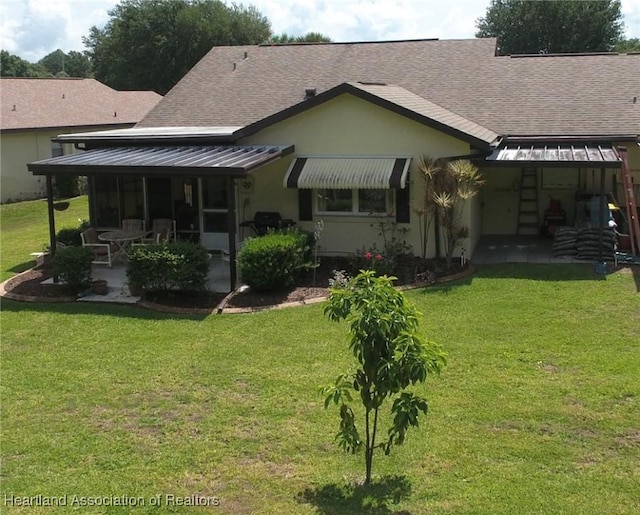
x: 602, y: 211
x: 231, y: 202
x: 602, y: 217
x: 52, y: 220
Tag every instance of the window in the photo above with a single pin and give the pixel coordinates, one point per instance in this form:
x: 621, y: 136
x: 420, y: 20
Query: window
x: 352, y: 202
x: 56, y: 149
x: 115, y: 198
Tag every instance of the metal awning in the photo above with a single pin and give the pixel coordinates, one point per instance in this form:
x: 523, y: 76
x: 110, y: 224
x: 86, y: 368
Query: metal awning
x: 347, y: 172
x: 556, y: 154
x: 162, y: 160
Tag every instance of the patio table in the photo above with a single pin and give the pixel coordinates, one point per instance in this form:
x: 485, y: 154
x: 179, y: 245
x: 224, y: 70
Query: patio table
x: 122, y: 240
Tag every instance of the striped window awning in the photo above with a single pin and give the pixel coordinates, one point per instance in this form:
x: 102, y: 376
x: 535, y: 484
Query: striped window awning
x: 347, y: 173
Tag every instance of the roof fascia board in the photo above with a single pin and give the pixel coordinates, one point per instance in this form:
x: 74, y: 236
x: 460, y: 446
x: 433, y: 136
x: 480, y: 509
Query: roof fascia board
x: 416, y: 117
x: 121, y: 125
x: 168, y: 171
x: 610, y: 138
x: 345, y: 87
x: 159, y: 142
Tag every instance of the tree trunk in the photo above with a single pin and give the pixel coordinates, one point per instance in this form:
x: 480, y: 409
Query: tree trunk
x: 368, y: 455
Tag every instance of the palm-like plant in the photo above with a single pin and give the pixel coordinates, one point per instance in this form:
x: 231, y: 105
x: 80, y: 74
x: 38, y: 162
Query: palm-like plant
x: 447, y: 185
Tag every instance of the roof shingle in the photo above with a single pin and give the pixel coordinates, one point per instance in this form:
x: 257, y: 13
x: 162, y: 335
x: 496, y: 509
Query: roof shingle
x: 550, y: 95
x: 37, y: 103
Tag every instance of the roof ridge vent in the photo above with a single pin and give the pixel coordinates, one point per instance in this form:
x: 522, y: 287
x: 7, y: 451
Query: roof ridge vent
x: 566, y: 54
x: 373, y: 83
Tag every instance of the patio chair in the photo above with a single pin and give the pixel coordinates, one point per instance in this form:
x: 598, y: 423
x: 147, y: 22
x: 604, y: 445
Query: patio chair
x: 162, y: 230
x: 101, y: 251
x: 132, y: 224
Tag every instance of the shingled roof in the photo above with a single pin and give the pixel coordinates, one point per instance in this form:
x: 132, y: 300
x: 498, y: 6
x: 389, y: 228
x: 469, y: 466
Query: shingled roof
x: 535, y: 95
x: 39, y: 103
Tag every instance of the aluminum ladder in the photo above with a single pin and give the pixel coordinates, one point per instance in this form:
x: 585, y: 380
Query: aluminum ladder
x: 630, y: 202
x: 528, y: 221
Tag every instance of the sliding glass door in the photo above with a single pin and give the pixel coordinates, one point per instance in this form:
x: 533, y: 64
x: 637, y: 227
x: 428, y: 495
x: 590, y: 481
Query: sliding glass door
x: 215, y: 213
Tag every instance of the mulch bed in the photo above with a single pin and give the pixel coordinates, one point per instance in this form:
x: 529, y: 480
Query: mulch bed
x: 312, y: 285
x: 30, y: 284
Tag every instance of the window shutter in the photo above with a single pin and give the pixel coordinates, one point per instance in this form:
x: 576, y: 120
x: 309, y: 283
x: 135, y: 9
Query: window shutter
x: 403, y: 204
x: 305, y: 208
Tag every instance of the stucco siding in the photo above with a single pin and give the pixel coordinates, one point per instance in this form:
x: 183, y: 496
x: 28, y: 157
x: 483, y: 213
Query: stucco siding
x: 17, y: 150
x: 348, y: 126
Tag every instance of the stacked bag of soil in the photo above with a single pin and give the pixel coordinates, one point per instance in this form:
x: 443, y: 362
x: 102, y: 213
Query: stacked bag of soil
x: 583, y: 243
x: 589, y: 244
x: 565, y: 242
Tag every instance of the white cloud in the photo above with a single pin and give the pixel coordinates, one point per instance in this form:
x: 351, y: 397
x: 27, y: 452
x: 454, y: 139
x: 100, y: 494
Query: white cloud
x: 358, y: 20
x: 35, y: 28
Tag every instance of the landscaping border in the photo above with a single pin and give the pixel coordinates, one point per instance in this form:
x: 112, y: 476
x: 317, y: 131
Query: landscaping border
x: 222, y: 306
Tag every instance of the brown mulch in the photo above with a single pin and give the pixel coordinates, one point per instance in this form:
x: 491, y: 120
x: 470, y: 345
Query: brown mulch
x: 30, y: 284
x: 311, y: 285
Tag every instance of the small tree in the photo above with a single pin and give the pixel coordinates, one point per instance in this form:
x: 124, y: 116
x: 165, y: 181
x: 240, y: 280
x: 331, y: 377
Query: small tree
x: 449, y: 184
x: 391, y: 355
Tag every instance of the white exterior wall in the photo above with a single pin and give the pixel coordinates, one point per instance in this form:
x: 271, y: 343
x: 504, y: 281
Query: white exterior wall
x: 17, y: 149
x: 348, y: 126
x: 22, y: 147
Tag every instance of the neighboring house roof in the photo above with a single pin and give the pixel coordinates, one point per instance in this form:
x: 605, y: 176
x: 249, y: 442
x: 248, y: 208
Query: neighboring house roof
x: 534, y: 95
x: 39, y: 103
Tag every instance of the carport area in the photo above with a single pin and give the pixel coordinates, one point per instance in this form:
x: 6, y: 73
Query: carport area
x: 517, y: 249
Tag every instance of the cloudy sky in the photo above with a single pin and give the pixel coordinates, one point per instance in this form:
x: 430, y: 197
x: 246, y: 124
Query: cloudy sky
x: 35, y: 28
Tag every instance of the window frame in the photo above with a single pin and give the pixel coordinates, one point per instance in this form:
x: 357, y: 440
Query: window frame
x: 389, y: 204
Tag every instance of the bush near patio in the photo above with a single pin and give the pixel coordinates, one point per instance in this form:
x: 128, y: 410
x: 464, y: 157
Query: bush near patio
x: 169, y: 266
x: 73, y: 266
x: 70, y: 236
x: 276, y: 260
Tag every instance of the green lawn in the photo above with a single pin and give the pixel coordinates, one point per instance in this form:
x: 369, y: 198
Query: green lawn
x: 25, y: 229
x: 537, y: 412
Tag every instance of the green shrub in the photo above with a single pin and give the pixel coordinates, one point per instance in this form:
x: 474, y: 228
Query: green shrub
x: 66, y: 186
x: 274, y: 261
x: 73, y: 266
x: 70, y: 236
x: 176, y: 265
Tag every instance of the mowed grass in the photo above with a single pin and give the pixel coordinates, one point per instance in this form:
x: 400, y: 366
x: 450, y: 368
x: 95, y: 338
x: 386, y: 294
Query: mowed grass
x: 537, y: 412
x: 25, y: 229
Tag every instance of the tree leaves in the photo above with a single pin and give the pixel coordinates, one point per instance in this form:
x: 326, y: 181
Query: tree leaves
x: 150, y: 45
x: 446, y: 186
x: 391, y: 355
x: 526, y: 27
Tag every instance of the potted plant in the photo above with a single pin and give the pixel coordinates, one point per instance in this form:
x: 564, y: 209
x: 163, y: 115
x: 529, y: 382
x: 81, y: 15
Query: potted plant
x: 100, y: 287
x: 134, y: 289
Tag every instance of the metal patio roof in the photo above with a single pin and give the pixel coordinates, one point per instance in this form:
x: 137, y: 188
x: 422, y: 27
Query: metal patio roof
x: 162, y: 160
x: 556, y: 154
